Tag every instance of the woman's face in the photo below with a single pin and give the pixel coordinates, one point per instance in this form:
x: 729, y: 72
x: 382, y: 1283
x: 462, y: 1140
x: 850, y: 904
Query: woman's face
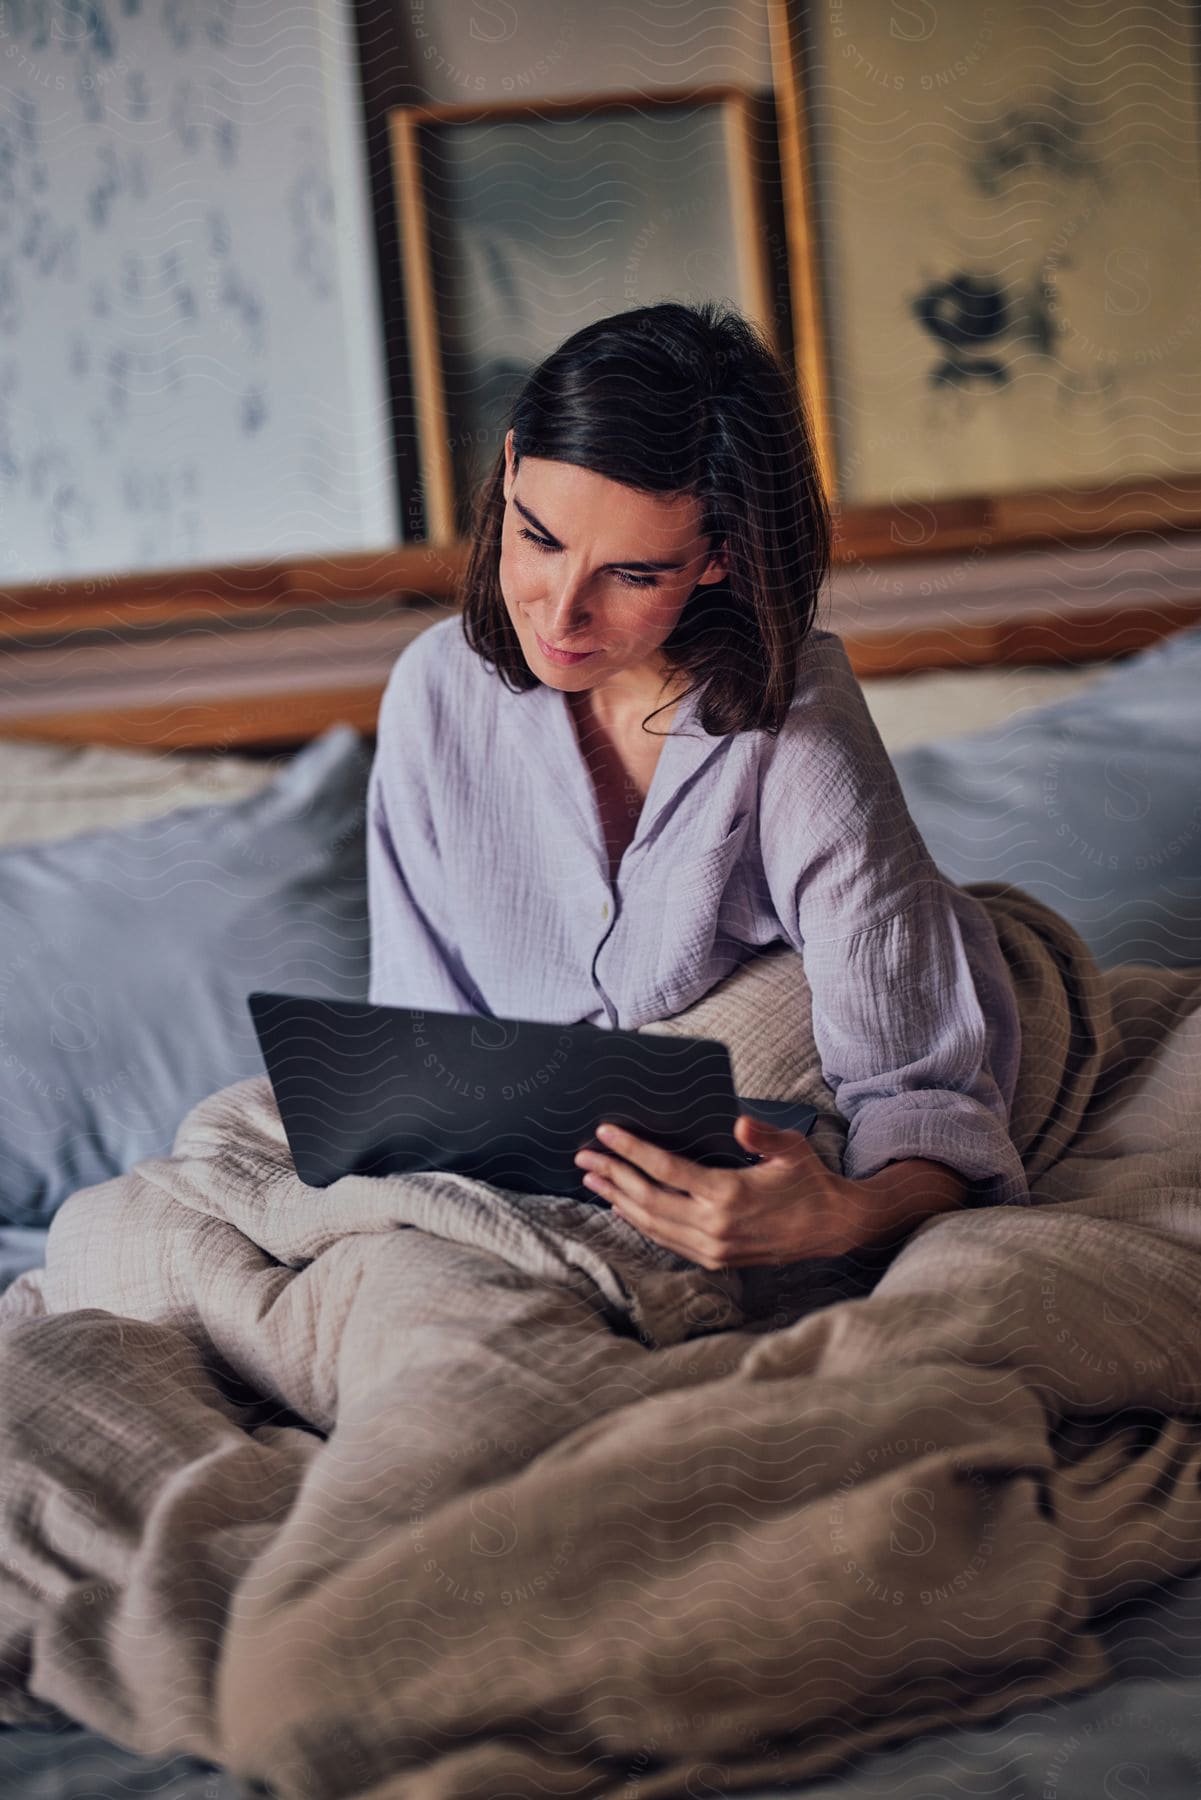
x: 571, y: 546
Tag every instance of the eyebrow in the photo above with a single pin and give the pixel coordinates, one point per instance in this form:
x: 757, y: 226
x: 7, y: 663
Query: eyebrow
x: 547, y: 533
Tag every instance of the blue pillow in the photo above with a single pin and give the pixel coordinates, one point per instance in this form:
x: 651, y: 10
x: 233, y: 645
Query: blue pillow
x: 1092, y: 804
x: 128, y: 955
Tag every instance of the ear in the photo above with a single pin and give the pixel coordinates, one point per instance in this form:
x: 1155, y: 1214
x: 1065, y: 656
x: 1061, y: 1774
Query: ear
x: 717, y: 566
x: 509, y: 475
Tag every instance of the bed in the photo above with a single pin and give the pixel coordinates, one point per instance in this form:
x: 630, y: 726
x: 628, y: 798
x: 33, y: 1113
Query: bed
x: 1013, y: 774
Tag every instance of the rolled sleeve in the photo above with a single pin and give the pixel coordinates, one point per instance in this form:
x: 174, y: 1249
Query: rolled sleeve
x: 899, y: 1028
x: 898, y: 1018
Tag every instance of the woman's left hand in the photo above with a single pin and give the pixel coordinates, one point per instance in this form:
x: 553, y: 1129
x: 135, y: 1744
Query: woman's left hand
x: 783, y: 1209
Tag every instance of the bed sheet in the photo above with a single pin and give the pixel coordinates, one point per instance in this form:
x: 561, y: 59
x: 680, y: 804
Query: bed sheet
x: 52, y: 791
x: 939, y: 703
x: 1140, y: 1734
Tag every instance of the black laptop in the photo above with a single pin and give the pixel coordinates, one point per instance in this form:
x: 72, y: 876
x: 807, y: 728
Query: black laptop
x: 381, y: 1090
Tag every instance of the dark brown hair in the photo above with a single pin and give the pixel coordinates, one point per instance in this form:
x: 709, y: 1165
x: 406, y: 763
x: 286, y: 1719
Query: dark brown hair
x: 674, y: 399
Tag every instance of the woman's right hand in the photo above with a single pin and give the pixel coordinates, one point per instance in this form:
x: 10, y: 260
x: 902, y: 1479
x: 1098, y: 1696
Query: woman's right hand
x: 788, y: 1207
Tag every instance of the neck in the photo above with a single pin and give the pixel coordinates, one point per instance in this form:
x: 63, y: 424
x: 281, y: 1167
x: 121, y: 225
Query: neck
x: 630, y: 697
x: 623, y: 719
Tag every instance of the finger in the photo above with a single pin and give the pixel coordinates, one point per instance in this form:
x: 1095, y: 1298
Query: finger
x: 771, y: 1141
x: 787, y: 1155
x: 630, y: 1184
x: 661, y: 1165
x: 684, y: 1234
x: 689, y: 1224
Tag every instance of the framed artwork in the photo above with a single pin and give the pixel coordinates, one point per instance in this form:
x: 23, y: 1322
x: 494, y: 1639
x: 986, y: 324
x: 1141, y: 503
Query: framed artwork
x: 523, y: 221
x: 191, y: 350
x: 995, y: 218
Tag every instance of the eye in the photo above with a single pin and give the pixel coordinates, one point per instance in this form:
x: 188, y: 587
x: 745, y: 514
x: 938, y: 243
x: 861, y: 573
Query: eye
x: 639, y: 581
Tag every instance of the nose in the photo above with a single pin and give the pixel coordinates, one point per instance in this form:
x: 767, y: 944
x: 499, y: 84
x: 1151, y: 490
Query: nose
x: 568, y: 612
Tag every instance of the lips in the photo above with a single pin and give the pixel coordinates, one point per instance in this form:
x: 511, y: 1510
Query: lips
x: 562, y: 656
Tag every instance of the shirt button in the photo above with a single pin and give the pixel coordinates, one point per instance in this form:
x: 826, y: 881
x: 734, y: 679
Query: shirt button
x: 605, y: 910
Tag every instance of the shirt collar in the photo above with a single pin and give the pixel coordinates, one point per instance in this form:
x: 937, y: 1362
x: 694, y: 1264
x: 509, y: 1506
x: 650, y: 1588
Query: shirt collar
x: 547, y: 737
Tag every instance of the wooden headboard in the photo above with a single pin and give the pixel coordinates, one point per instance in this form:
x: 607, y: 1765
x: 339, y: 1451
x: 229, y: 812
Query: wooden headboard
x: 268, y: 655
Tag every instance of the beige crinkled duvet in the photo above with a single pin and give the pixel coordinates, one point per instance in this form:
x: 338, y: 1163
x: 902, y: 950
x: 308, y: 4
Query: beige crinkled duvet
x: 407, y: 1487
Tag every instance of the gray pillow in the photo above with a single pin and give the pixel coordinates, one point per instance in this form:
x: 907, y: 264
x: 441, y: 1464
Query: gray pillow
x: 1092, y: 804
x: 128, y: 955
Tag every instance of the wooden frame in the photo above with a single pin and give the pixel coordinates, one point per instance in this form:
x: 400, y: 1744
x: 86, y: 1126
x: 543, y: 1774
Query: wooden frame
x: 741, y: 115
x: 162, y: 597
x: 257, y: 718
x: 800, y: 230
x: 994, y: 521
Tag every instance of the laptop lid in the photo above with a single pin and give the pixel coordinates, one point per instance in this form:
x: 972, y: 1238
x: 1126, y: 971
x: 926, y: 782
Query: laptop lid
x: 378, y: 1090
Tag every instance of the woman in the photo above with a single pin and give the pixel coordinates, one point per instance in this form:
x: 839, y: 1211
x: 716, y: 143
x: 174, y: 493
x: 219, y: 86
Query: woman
x: 652, y: 543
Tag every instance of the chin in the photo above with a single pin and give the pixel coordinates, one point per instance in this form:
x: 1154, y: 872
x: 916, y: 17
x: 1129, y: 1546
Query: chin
x: 569, y: 679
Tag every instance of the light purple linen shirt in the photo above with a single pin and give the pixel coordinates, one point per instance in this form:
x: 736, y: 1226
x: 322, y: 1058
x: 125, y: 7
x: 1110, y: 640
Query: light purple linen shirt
x: 489, y: 892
